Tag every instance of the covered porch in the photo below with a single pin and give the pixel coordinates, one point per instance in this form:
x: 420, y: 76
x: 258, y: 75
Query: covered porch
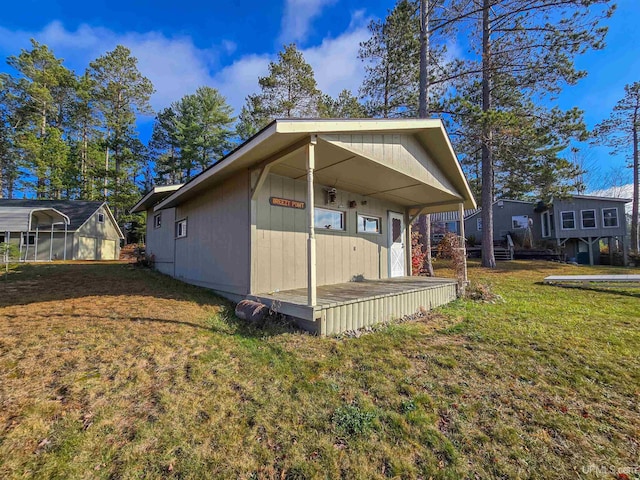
x: 355, y: 305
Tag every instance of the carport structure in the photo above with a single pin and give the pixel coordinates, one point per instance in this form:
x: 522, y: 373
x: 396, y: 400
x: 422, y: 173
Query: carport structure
x: 30, y: 222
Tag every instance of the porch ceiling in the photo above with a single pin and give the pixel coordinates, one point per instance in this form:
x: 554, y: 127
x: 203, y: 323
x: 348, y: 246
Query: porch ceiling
x: 346, y: 170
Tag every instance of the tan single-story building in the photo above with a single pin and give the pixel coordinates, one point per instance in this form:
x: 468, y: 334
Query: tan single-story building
x: 312, y: 218
x: 46, y: 230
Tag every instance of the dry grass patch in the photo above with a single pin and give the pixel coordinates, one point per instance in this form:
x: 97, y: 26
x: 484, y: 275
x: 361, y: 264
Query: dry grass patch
x: 107, y: 371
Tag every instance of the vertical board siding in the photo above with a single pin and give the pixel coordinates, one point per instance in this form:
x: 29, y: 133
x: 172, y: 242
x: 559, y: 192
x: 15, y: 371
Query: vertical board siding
x: 160, y: 241
x: 370, y: 311
x: 215, y: 252
x: 402, y: 153
x: 279, y: 259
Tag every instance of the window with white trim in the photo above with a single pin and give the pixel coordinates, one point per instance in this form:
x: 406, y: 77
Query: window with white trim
x: 157, y: 220
x: 588, y: 218
x: 479, y: 224
x: 181, y: 228
x: 101, y: 218
x: 610, y: 217
x: 329, y: 219
x: 369, y: 224
x: 28, y: 239
x: 568, y: 220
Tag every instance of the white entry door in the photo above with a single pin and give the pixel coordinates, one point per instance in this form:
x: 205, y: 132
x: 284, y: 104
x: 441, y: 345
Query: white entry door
x: 396, y: 245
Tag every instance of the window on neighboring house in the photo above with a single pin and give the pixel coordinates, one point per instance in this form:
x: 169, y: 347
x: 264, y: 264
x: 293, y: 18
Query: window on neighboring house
x: 519, y: 222
x: 588, y: 218
x: 369, y: 224
x: 101, y: 218
x: 2, y: 239
x: 609, y: 217
x: 479, y: 224
x: 329, y: 219
x: 181, y: 228
x: 157, y: 220
x: 546, y: 224
x: 28, y: 239
x: 568, y: 220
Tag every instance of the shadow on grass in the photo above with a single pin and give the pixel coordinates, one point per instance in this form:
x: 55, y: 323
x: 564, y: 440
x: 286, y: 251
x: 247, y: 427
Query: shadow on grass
x: 35, y: 283
x: 614, y: 290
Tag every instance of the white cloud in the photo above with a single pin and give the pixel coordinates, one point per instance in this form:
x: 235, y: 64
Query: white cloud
x: 240, y: 79
x: 174, y: 64
x: 335, y: 61
x: 297, y: 18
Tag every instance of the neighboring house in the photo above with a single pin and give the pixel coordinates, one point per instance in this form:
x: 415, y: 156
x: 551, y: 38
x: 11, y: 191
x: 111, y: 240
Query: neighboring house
x: 45, y: 230
x: 307, y: 204
x: 574, y: 226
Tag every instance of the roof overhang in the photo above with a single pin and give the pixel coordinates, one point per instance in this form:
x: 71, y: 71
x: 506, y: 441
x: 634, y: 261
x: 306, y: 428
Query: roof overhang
x: 282, y: 143
x: 154, y: 196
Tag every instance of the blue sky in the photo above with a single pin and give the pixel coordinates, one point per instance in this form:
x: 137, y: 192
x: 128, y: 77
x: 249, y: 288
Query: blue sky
x: 182, y: 45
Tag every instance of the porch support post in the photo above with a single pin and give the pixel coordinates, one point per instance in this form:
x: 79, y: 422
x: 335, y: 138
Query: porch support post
x: 51, y: 244
x: 311, y: 241
x: 65, y: 241
x: 590, y: 251
x: 463, y: 243
x: 35, y: 255
x: 408, y: 250
x: 624, y: 251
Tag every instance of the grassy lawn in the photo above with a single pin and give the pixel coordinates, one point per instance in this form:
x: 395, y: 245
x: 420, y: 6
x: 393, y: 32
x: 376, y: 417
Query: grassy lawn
x: 107, y: 371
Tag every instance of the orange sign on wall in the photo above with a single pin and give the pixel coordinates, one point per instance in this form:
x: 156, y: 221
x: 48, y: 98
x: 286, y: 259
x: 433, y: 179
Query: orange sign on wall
x: 286, y: 202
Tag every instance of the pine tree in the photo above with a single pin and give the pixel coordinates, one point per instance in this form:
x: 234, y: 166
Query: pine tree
x: 290, y: 90
x: 620, y: 133
x: 524, y: 46
x: 43, y: 91
x: 345, y: 105
x: 192, y: 134
x: 121, y: 92
x: 392, y: 72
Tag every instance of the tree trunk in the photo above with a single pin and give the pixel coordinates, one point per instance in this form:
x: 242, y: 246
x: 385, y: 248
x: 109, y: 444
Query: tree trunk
x: 635, y: 234
x: 488, y: 258
x: 424, y: 54
x: 423, y: 111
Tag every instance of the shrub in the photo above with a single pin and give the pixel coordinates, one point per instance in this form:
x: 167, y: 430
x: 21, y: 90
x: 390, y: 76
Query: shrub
x: 450, y: 247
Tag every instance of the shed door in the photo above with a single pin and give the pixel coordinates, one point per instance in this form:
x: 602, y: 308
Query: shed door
x: 107, y: 250
x: 396, y: 245
x: 86, y: 248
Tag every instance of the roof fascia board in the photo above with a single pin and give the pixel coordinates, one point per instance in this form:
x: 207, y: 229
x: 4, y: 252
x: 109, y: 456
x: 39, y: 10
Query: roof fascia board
x: 155, y: 190
x: 259, y: 138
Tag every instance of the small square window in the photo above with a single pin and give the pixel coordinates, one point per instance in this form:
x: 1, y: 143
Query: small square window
x: 588, y: 218
x: 181, y: 228
x: 369, y: 224
x: 609, y: 217
x: 157, y: 220
x: 101, y: 218
x: 568, y: 220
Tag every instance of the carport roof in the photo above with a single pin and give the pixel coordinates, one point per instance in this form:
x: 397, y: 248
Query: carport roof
x: 77, y: 211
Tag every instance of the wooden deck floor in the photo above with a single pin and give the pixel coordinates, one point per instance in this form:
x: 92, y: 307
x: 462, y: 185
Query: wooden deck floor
x: 353, y: 305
